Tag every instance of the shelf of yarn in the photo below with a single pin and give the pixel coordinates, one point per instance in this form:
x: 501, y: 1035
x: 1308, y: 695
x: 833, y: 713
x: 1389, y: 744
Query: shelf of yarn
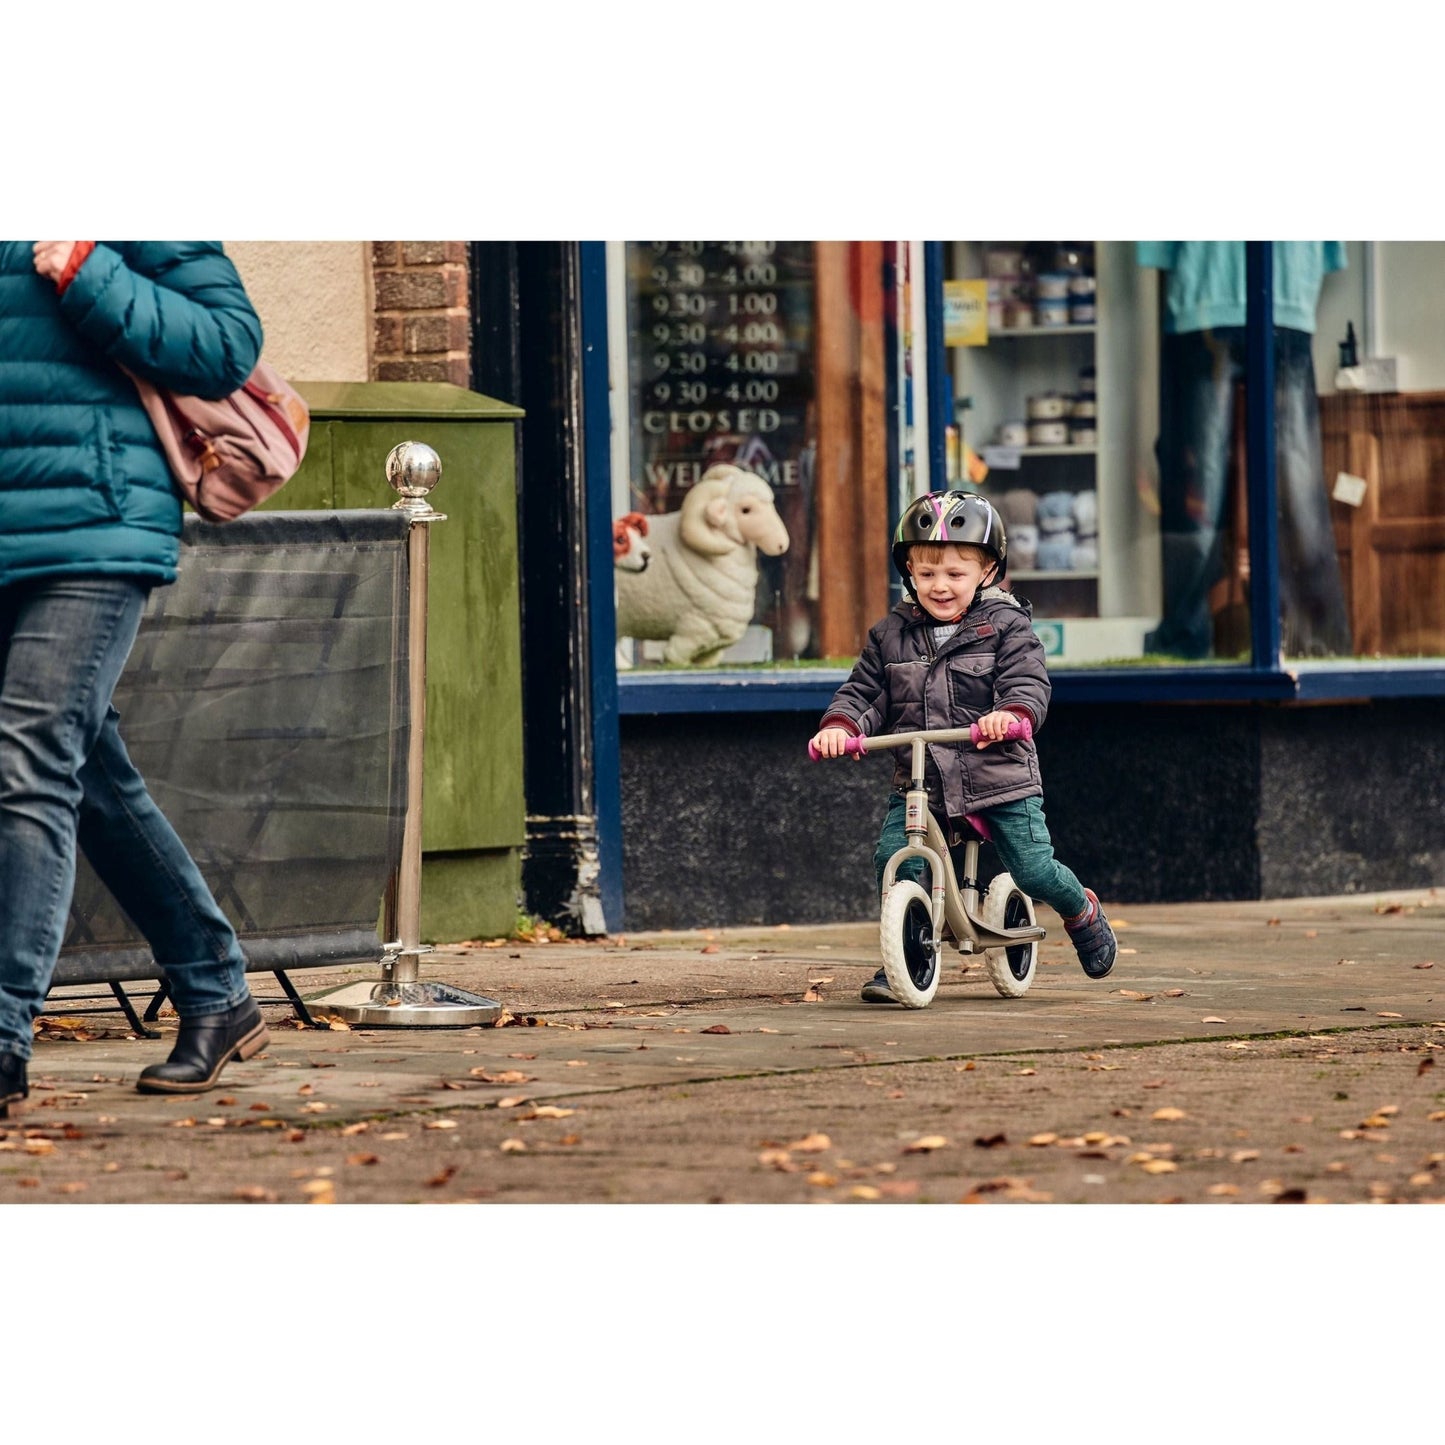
x: 1053, y: 539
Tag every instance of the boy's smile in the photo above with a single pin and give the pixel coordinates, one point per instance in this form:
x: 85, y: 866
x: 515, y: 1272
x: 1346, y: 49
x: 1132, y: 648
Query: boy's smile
x: 946, y: 589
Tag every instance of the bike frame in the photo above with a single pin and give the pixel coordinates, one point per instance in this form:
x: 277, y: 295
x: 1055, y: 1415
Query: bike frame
x: 953, y: 904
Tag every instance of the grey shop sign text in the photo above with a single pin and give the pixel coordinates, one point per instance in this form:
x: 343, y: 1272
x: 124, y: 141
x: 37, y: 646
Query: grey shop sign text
x: 744, y: 419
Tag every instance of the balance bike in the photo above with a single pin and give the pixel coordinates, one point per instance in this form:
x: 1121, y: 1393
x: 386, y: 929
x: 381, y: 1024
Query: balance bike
x: 914, y: 923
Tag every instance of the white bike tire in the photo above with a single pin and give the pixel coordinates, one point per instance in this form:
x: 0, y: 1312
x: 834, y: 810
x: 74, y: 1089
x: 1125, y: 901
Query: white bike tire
x: 1006, y: 905
x: 913, y: 984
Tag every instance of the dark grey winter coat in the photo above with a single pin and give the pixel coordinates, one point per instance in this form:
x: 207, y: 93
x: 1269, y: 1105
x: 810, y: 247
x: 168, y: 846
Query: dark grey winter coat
x: 993, y: 661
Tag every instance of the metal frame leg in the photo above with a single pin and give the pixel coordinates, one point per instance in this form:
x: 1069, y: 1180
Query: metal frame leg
x: 132, y: 1018
x: 297, y: 1002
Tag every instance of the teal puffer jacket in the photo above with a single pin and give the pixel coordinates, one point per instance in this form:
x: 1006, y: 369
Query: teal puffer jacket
x: 84, y: 486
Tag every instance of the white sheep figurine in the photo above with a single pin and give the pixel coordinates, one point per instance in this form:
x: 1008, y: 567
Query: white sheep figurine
x: 699, y: 592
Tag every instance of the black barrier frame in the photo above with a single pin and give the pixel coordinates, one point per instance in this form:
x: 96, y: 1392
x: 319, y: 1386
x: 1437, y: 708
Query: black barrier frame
x: 324, y: 747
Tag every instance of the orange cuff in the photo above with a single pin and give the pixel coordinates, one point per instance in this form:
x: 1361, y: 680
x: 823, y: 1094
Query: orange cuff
x: 79, y: 254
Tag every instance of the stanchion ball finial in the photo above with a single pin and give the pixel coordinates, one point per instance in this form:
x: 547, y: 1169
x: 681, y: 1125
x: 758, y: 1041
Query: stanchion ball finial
x: 413, y: 469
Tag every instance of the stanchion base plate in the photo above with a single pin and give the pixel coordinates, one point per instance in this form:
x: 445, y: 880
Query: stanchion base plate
x: 406, y: 1005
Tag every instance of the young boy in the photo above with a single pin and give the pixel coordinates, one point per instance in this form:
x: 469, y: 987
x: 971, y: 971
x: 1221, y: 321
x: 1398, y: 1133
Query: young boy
x: 962, y: 650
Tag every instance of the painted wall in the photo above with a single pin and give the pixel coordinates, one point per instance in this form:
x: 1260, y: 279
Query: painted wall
x: 1410, y: 325
x: 314, y: 300
x: 1412, y: 311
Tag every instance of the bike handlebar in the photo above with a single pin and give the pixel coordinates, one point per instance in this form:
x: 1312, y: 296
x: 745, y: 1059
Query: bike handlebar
x: 1019, y: 728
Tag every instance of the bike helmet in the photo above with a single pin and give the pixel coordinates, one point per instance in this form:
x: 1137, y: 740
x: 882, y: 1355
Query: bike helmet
x: 956, y: 517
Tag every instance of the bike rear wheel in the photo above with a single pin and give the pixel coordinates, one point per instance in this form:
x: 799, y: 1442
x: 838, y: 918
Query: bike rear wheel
x: 910, y: 951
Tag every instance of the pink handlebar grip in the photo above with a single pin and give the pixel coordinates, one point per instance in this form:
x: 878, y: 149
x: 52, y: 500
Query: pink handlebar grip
x: 851, y: 745
x: 1020, y: 727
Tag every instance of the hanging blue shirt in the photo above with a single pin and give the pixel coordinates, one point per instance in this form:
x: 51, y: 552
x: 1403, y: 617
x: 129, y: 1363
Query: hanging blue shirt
x: 1204, y: 285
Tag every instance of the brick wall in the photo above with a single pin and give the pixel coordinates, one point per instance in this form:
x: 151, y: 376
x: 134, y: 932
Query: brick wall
x: 421, y: 330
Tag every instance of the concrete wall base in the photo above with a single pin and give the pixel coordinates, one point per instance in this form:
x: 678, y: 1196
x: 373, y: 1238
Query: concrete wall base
x: 726, y: 822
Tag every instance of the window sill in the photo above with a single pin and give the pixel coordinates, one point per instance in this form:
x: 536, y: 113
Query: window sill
x: 809, y: 690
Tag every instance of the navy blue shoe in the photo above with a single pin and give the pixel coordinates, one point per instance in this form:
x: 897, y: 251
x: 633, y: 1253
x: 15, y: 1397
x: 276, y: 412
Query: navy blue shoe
x: 1093, y: 939
x: 876, y: 990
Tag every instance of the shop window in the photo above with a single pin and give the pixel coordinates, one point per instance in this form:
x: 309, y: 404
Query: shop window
x: 1100, y: 398
x: 1203, y: 472
x: 1054, y: 362
x: 1359, y: 443
x: 1380, y: 354
x: 753, y: 443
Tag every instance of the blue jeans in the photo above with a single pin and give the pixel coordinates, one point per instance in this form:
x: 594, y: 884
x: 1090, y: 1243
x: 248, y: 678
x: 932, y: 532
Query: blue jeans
x: 1198, y: 373
x: 1021, y: 840
x: 65, y: 776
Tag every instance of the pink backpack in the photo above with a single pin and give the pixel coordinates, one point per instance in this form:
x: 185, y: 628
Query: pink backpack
x: 228, y: 455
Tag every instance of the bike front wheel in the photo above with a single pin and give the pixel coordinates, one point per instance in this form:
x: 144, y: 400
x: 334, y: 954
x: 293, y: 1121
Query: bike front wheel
x: 910, y: 951
x: 1006, y: 905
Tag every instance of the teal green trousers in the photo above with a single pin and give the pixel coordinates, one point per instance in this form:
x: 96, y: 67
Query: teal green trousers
x: 1021, y: 838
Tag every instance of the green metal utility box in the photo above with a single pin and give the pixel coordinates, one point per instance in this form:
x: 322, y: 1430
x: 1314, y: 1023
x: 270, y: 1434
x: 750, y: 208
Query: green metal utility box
x: 473, y: 808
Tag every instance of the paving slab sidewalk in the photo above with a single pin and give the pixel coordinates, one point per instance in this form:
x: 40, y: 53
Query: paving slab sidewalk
x: 765, y: 1022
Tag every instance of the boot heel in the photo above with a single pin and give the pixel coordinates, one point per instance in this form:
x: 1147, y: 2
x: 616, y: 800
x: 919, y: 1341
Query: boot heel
x: 252, y: 1046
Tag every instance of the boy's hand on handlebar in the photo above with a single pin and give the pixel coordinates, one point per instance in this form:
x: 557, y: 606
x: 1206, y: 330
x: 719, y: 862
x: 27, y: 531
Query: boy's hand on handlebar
x: 829, y: 743
x: 993, y: 727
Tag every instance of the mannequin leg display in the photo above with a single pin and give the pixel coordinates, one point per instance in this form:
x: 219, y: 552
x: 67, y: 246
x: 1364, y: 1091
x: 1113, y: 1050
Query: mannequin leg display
x: 1312, y: 599
x: 1197, y: 374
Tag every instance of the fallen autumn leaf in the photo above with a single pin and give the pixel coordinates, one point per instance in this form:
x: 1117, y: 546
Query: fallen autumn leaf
x: 926, y: 1145
x: 812, y: 1144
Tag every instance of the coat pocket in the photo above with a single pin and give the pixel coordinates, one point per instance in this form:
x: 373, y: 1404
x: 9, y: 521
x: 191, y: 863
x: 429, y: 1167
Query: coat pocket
x: 108, y: 480
x: 970, y: 681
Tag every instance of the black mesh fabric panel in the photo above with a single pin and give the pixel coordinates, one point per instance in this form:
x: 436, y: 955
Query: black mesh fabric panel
x: 265, y: 704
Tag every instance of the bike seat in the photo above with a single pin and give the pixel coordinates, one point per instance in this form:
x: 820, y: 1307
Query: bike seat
x: 972, y: 823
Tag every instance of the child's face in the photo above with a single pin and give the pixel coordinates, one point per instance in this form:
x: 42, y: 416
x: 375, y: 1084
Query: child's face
x: 946, y: 588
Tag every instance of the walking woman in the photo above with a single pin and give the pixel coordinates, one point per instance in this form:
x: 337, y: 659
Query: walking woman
x: 89, y: 522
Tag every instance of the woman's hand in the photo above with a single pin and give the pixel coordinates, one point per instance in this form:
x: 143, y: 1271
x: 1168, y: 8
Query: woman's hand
x: 994, y: 727
x: 52, y: 257
x: 829, y: 743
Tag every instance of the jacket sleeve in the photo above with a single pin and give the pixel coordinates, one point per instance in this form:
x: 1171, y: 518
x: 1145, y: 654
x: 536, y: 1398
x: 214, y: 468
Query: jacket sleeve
x: 179, y: 317
x: 861, y: 704
x: 1021, y: 678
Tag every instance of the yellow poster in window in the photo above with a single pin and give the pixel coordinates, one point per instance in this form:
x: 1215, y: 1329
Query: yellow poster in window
x: 965, y: 313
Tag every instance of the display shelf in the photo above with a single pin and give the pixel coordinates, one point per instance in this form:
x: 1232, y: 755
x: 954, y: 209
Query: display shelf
x: 996, y: 382
x: 1008, y: 332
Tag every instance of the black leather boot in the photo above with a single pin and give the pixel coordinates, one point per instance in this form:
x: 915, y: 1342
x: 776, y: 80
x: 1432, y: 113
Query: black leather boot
x: 14, y: 1085
x: 204, y: 1046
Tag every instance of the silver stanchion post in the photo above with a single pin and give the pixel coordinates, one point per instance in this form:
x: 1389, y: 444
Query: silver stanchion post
x: 399, y: 999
